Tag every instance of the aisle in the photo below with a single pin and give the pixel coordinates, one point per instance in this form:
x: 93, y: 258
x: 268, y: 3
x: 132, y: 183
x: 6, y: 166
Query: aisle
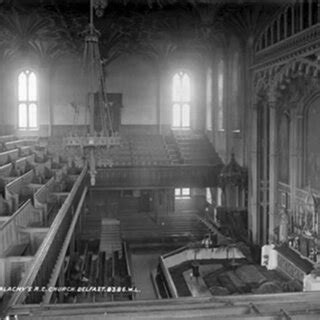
x: 142, y: 265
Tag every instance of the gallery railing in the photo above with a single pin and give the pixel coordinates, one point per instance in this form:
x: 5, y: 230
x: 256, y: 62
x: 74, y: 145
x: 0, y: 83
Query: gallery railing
x: 175, y: 175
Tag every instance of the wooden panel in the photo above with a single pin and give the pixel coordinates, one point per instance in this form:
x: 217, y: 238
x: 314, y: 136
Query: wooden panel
x: 188, y: 176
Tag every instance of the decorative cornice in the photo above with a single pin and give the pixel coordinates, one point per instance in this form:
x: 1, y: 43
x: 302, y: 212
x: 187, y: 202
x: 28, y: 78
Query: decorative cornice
x: 290, y: 83
x: 295, y: 47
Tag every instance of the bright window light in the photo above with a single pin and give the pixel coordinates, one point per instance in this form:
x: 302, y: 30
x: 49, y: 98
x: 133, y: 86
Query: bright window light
x: 32, y: 86
x: 27, y: 100
x: 176, y: 94
x: 32, y: 115
x: 182, y: 193
x: 185, y: 116
x: 208, y: 195
x: 185, y: 88
x: 176, y: 119
x: 181, y: 97
x: 22, y: 80
x: 22, y: 115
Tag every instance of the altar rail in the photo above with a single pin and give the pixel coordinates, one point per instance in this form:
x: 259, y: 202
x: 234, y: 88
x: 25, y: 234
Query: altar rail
x: 180, y: 175
x: 9, y: 231
x: 38, y: 274
x: 291, y: 20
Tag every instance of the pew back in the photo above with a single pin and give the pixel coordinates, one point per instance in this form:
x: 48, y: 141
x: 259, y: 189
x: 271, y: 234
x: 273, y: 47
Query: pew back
x: 5, y: 170
x: 8, y: 156
x: 10, y: 236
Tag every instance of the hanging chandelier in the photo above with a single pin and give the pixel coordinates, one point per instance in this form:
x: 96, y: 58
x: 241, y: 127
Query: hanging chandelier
x: 100, y: 137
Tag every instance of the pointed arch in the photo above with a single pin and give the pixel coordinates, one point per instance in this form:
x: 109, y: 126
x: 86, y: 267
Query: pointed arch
x: 181, y: 99
x: 27, y: 100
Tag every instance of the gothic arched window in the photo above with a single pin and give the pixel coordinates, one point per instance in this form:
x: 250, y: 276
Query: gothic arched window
x: 27, y: 100
x: 181, y: 98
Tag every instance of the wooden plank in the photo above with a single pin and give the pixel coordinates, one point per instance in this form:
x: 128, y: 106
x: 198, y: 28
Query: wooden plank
x: 63, y: 252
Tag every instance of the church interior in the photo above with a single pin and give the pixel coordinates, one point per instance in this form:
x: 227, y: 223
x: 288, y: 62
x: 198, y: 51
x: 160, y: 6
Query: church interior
x: 159, y: 159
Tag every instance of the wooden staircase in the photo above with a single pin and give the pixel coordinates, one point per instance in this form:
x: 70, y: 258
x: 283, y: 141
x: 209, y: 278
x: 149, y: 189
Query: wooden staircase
x: 110, y: 240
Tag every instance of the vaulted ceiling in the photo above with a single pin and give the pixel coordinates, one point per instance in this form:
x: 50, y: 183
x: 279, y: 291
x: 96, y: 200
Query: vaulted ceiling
x: 131, y: 25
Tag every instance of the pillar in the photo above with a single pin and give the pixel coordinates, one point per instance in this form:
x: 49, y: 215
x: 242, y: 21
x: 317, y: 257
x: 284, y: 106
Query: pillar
x: 273, y: 170
x: 253, y: 178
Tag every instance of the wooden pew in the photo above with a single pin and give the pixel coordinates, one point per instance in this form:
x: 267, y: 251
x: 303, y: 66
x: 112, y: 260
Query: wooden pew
x: 12, y: 270
x: 9, y: 145
x: 21, y: 165
x: 45, y: 200
x: 43, y: 169
x: 4, y: 139
x: 10, y: 234
x: 7, y: 138
x: 25, y: 151
x: 4, y: 207
x: 16, y: 187
x: 8, y: 156
x: 46, y: 267
x: 5, y: 170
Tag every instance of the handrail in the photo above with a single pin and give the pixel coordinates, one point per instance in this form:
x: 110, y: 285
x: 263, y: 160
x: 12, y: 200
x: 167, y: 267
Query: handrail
x: 172, y: 288
x: 280, y: 28
x: 34, y: 269
x: 171, y: 253
x: 59, y: 264
x: 175, y: 175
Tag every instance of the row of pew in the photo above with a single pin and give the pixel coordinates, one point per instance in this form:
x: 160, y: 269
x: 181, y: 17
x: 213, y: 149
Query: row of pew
x: 195, y: 148
x: 98, y: 270
x: 33, y: 189
x: 135, y: 150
